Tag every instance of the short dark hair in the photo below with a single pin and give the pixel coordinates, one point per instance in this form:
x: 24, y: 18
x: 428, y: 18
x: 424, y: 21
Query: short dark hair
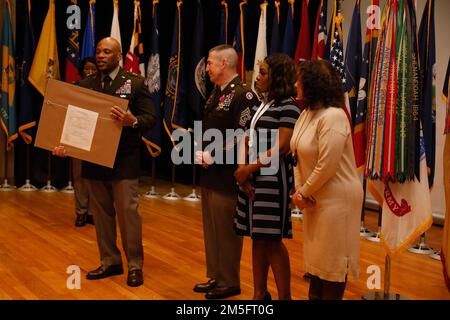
x: 321, y: 85
x: 83, y: 63
x: 282, y: 76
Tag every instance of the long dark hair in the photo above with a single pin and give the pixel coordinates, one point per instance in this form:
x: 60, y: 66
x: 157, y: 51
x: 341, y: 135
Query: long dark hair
x: 321, y: 85
x: 83, y: 63
x: 282, y: 76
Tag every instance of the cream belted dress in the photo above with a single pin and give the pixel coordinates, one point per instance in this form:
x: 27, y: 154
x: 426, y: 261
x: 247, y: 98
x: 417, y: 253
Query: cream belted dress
x: 326, y: 171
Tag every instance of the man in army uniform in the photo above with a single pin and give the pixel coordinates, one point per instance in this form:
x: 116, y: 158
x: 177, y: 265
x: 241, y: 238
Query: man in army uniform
x: 228, y: 107
x: 115, y: 191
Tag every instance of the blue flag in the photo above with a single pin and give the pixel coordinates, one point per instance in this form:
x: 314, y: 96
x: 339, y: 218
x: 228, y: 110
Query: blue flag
x: 8, y: 80
x: 197, y: 74
x: 223, y: 37
x: 25, y: 108
x: 152, y: 138
x: 427, y: 53
x: 239, y: 41
x: 288, y: 45
x: 175, y: 96
x: 88, y: 48
x: 275, y: 37
x: 353, y: 61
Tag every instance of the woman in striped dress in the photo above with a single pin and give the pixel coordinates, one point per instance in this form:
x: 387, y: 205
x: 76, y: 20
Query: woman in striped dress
x: 263, y: 210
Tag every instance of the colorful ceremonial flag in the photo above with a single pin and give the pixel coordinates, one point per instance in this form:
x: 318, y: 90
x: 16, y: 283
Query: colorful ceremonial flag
x: 445, y: 250
x: 175, y: 97
x: 359, y: 120
x: 88, y: 48
x: 115, y: 26
x: 427, y: 52
x: 287, y: 46
x: 320, y: 32
x: 275, y: 38
x: 197, y: 73
x: 223, y: 37
x: 261, y: 43
x: 72, y: 54
x: 134, y: 61
x: 25, y: 111
x: 152, y: 138
x: 353, y: 61
x: 45, y: 62
x: 239, y: 43
x: 8, y: 80
x: 303, y: 50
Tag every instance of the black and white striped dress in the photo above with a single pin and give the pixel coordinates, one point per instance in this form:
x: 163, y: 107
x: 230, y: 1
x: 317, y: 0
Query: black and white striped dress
x: 269, y: 215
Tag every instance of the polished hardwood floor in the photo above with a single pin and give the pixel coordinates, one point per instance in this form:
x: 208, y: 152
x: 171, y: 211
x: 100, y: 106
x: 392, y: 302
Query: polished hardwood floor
x: 38, y: 242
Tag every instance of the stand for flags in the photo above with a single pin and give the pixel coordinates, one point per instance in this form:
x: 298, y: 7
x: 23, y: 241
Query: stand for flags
x: 28, y: 186
x: 49, y: 187
x: 69, y: 188
x: 152, y: 193
x: 385, y: 295
x: 436, y: 255
x: 375, y: 237
x: 422, y: 247
x: 6, y: 186
x: 193, y: 196
x: 363, y: 231
x: 172, y: 195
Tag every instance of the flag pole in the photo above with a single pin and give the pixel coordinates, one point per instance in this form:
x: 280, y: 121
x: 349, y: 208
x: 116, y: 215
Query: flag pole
x: 152, y: 193
x: 375, y: 237
x: 28, y: 186
x: 172, y: 195
x: 49, y: 187
x: 6, y: 186
x: 422, y: 247
x: 69, y: 187
x: 193, y: 196
x: 363, y: 231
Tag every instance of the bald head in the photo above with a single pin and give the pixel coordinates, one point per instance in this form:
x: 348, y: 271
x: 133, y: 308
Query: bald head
x: 108, y: 54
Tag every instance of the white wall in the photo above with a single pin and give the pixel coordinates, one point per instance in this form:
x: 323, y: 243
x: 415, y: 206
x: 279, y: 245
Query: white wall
x: 442, y: 27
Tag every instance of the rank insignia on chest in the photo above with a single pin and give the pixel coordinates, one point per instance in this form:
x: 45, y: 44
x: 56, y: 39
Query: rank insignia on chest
x: 225, y: 101
x: 125, y: 89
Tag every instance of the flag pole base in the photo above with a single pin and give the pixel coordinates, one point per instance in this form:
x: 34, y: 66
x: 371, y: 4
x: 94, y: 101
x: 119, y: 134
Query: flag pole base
x: 49, y: 187
x: 383, y: 296
x: 6, y: 187
x: 436, y: 255
x: 69, y: 188
x: 192, y: 197
x: 375, y: 237
x: 27, y: 186
x: 296, y: 213
x: 364, y: 232
x: 172, y: 195
x: 152, y: 193
x: 421, y: 248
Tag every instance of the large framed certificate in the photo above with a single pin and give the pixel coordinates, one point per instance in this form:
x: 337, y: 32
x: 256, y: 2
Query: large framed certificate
x: 79, y: 119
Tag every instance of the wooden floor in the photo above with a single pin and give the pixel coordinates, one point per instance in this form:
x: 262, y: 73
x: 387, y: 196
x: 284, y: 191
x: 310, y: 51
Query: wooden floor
x: 38, y: 241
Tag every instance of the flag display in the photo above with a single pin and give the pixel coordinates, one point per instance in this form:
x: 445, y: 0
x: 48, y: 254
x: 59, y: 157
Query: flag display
x: 134, y: 60
x: 25, y: 108
x: 287, y: 46
x: 8, y: 80
x: 261, y: 43
x: 72, y: 54
x: 88, y: 48
x: 223, y: 37
x: 359, y: 120
x: 320, y: 32
x: 115, y: 26
x: 239, y: 43
x: 175, y: 98
x: 45, y: 62
x: 152, y: 138
x: 275, y: 37
x: 427, y: 52
x: 303, y: 50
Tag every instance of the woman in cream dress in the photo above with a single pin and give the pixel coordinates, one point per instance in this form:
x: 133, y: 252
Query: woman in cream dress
x: 328, y: 189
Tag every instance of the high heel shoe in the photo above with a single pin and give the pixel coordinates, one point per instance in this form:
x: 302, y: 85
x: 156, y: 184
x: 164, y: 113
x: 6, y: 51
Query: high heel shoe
x: 267, y: 296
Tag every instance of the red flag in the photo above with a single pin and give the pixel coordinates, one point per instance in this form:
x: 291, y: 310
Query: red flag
x: 320, y: 32
x: 73, y: 54
x: 134, y: 60
x: 303, y: 50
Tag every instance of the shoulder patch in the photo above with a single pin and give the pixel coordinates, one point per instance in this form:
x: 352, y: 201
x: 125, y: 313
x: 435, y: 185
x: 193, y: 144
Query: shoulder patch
x: 245, y: 117
x: 249, y: 95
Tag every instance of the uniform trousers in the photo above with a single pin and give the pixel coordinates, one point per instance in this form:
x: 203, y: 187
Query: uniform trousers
x: 223, y: 247
x: 80, y: 188
x: 111, y: 198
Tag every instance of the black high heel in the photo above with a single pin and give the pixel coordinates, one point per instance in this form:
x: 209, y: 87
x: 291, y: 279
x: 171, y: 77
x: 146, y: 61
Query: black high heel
x: 267, y: 296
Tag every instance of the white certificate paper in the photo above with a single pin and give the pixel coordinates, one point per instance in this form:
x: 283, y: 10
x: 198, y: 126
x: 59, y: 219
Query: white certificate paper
x: 79, y: 127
